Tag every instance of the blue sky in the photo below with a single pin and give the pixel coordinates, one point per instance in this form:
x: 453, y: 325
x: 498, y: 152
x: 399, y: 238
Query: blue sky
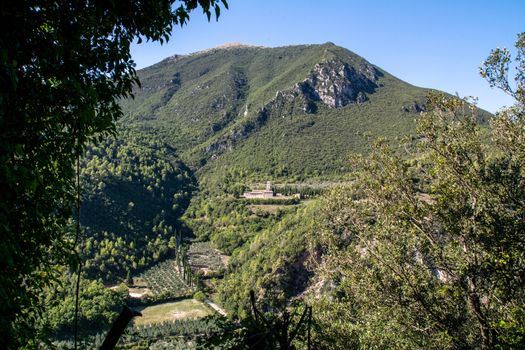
x: 430, y: 43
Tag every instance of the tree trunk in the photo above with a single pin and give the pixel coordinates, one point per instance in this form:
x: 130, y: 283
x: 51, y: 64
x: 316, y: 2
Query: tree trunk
x: 487, y: 333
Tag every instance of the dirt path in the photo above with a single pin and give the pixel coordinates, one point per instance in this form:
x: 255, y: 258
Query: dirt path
x: 215, y: 307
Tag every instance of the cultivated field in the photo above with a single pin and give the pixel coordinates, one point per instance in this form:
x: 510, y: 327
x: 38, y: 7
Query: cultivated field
x: 163, y: 279
x: 205, y: 257
x: 178, y: 310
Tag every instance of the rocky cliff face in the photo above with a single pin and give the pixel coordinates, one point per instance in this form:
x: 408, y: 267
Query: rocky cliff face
x: 332, y: 82
x: 338, y: 84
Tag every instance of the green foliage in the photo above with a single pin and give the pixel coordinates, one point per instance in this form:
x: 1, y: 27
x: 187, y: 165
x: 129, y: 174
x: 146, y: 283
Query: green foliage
x: 279, y: 329
x: 273, y: 263
x: 205, y: 259
x: 134, y: 192
x: 65, y: 66
x: 233, y: 84
x: 186, y: 333
x: 165, y: 281
x: 304, y: 191
x: 268, y: 201
x: 99, y: 306
x: 226, y: 221
x: 428, y: 252
x: 177, y: 334
x: 199, y: 296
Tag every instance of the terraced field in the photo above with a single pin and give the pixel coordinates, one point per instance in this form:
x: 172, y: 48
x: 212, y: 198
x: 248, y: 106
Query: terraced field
x: 204, y: 258
x: 164, y: 278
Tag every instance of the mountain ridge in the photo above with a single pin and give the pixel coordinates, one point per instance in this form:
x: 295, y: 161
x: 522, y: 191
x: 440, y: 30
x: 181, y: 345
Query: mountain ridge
x: 305, y: 105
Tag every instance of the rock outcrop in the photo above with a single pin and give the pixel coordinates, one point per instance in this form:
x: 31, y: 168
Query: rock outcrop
x: 332, y: 82
x: 337, y: 84
x: 413, y: 107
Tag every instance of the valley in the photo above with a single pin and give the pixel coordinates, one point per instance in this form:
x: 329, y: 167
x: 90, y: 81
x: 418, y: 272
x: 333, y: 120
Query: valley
x: 289, y: 115
x: 174, y: 216
x: 223, y: 177
x: 291, y: 194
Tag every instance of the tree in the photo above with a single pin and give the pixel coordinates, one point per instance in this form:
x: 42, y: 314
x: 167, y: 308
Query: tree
x: 63, y: 67
x: 100, y: 306
x: 427, y: 250
x: 277, y: 330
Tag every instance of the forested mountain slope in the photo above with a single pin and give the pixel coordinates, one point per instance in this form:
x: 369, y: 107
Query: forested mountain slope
x: 274, y: 111
x: 135, y: 190
x: 204, y: 128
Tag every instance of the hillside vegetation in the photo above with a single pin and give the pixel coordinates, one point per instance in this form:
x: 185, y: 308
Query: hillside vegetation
x: 295, y: 110
x: 427, y: 251
x: 393, y: 237
x: 135, y: 191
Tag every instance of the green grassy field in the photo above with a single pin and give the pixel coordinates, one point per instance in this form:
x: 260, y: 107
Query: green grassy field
x: 184, y: 309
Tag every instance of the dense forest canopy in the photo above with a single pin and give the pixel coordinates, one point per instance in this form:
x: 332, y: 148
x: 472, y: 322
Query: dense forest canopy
x: 134, y: 194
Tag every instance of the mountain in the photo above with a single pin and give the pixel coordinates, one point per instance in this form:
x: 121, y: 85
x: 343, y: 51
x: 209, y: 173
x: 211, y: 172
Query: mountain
x: 237, y: 114
x: 205, y: 127
x: 273, y: 111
